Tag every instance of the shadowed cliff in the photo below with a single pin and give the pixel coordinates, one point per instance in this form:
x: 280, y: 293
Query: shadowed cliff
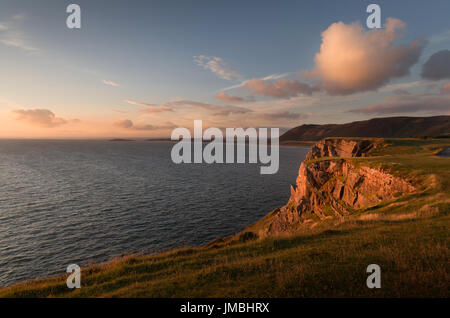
x: 389, y: 127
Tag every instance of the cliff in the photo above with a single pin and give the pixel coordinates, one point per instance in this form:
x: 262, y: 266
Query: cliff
x: 330, y: 184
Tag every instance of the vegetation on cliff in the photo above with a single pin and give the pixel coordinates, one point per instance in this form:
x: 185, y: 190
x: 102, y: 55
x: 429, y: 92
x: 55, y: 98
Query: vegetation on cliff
x: 319, y: 255
x: 386, y: 127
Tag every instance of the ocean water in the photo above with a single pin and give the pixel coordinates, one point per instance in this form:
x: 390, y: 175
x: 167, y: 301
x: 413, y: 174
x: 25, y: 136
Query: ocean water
x: 64, y: 202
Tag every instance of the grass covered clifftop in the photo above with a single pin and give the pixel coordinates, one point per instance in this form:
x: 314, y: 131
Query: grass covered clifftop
x: 326, y: 257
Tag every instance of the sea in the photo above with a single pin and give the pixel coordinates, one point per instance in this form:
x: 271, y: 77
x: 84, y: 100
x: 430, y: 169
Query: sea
x: 81, y: 202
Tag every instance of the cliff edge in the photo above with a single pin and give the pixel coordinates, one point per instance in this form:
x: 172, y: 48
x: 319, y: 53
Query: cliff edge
x: 331, y: 184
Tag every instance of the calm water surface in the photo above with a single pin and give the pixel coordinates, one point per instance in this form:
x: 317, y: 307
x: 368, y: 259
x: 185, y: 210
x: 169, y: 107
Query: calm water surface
x: 64, y: 202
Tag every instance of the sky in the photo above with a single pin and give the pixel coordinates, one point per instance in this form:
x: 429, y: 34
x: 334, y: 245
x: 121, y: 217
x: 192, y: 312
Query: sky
x: 143, y: 68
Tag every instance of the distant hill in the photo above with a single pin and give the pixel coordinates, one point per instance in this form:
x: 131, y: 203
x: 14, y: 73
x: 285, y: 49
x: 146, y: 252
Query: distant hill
x: 390, y: 127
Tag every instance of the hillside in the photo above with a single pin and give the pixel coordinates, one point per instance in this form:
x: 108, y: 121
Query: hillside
x: 356, y: 202
x: 390, y: 127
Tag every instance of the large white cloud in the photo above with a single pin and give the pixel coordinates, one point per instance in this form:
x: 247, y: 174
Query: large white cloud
x: 352, y: 59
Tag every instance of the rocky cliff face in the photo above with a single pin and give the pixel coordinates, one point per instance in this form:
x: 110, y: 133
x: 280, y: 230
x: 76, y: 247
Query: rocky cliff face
x: 341, y: 148
x: 335, y: 186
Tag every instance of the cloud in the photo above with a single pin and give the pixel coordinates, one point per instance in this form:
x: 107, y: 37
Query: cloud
x: 12, y: 36
x: 218, y: 66
x: 445, y: 88
x: 282, y: 115
x: 401, y: 86
x: 217, y: 110
x: 111, y: 83
x: 354, y: 60
x: 228, y: 98
x: 437, y: 67
x: 128, y: 124
x: 408, y: 103
x: 169, y: 107
x: 275, y: 76
x: 241, y: 84
x: 41, y: 117
x: 123, y: 123
x: 150, y: 108
x: 132, y: 102
x: 17, y: 41
x: 440, y: 38
x: 229, y: 110
x: 159, y: 109
x: 266, y: 78
x: 282, y: 88
x: 401, y: 91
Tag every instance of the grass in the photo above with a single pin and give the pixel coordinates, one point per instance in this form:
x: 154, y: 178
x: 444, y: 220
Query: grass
x: 408, y: 237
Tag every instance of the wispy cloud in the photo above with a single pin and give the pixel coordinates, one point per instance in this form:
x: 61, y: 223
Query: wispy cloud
x: 128, y: 124
x: 218, y: 66
x: 110, y: 83
x: 215, y: 109
x: 11, y: 34
x: 16, y: 40
x: 441, y: 38
x: 159, y: 109
x: 241, y: 84
x: 266, y: 78
x: 150, y: 108
x: 132, y: 102
x: 427, y: 103
x: 275, y: 76
x: 400, y: 86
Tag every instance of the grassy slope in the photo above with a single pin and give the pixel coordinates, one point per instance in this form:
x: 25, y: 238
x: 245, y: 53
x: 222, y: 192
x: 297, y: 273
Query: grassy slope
x: 407, y: 237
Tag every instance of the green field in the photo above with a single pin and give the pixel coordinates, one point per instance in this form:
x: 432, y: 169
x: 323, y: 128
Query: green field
x: 408, y: 237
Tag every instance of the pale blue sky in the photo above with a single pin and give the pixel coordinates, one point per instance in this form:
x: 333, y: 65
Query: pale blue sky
x: 148, y: 49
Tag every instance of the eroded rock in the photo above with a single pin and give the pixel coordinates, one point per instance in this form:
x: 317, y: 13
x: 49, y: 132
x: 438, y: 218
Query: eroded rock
x: 335, y: 187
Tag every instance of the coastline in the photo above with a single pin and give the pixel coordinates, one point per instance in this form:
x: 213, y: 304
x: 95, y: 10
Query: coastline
x: 391, y: 222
